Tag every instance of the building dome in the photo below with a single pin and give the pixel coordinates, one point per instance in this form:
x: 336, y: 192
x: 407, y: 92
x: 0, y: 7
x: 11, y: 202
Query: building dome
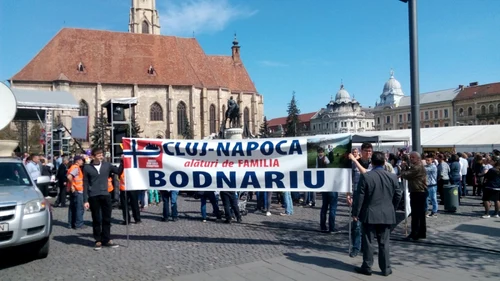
x: 392, y: 87
x: 342, y: 95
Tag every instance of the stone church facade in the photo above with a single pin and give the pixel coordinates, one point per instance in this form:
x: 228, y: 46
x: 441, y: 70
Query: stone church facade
x: 170, y: 76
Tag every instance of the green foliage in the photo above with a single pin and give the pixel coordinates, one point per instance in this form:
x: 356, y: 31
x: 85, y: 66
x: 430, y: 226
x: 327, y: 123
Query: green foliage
x: 292, y: 127
x: 188, y: 131
x: 98, y: 136
x: 34, y: 138
x: 8, y: 134
x: 136, y: 129
x: 264, y: 129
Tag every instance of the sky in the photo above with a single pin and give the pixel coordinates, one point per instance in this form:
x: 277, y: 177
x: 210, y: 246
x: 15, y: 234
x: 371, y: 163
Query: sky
x: 306, y: 47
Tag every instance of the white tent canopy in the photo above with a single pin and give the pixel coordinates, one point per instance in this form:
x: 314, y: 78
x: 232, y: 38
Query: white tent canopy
x: 466, y: 138
x: 32, y: 104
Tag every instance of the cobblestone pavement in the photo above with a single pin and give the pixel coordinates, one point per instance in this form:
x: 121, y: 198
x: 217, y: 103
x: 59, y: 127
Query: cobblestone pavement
x: 160, y: 250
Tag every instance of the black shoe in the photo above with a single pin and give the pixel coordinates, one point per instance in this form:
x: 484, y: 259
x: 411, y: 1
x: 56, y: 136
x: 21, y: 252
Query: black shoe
x: 227, y: 221
x: 80, y: 227
x: 364, y: 271
x: 354, y: 253
x: 238, y: 220
x: 164, y: 219
x: 138, y: 222
x: 110, y: 244
x: 387, y: 273
x: 410, y: 238
x: 98, y: 246
x: 175, y: 219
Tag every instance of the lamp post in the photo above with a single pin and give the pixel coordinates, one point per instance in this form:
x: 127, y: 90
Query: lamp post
x: 414, y: 83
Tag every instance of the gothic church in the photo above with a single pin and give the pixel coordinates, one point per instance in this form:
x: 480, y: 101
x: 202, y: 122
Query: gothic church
x: 173, y: 79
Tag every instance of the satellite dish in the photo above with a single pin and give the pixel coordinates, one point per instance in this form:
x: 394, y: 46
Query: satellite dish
x: 8, y: 106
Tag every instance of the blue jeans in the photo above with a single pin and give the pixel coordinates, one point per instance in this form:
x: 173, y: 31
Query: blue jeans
x: 142, y: 197
x: 310, y: 198
x: 75, y: 211
x: 330, y: 200
x: 287, y: 200
x: 210, y: 196
x: 464, y: 185
x: 356, y: 236
x: 432, y: 197
x: 264, y: 200
x: 169, y: 197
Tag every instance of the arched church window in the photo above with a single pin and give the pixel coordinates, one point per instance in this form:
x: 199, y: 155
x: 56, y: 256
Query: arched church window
x: 491, y: 109
x: 483, y: 109
x: 469, y: 111
x: 145, y: 27
x: 181, y: 117
x: 461, y: 112
x: 156, y: 112
x: 212, y: 118
x: 84, y: 108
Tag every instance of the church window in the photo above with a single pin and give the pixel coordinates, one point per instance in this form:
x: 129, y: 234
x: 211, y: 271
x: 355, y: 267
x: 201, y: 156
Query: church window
x: 388, y: 119
x: 145, y: 27
x: 446, y: 113
x: 181, y: 117
x: 491, y: 109
x: 352, y: 124
x: 498, y: 108
x: 483, y: 109
x: 335, y: 124
x: 156, y: 112
x: 151, y: 70
x: 435, y: 114
x: 400, y: 118
x: 409, y: 117
x: 212, y: 119
x: 84, y: 108
x: 246, y: 117
x: 426, y: 114
x: 378, y: 120
x: 469, y: 111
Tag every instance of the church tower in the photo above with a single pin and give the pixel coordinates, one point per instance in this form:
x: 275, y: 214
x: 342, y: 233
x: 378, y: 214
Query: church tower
x: 144, y: 17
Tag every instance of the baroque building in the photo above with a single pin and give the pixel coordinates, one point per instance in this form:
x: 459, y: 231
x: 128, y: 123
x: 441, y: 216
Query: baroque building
x: 277, y: 126
x: 173, y: 79
x: 393, y: 111
x: 342, y: 115
x: 478, y: 105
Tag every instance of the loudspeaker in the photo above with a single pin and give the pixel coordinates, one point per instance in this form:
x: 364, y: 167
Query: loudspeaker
x: 118, y: 113
x: 119, y: 133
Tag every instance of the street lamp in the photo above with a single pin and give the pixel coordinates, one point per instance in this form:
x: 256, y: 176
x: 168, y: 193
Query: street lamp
x: 414, y: 83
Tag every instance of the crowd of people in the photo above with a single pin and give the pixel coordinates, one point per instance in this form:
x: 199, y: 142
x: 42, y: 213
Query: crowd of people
x: 93, y: 184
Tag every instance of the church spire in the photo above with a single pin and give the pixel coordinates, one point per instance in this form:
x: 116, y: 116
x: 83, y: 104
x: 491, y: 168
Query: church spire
x: 144, y: 17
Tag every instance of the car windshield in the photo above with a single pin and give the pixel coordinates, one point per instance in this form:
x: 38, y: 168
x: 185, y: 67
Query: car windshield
x: 14, y: 174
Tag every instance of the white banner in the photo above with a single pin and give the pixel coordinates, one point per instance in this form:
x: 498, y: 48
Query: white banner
x: 285, y: 164
x: 407, y: 198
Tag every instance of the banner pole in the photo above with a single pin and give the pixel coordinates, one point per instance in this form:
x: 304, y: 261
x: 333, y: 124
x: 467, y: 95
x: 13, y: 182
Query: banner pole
x: 406, y: 206
x: 127, y: 217
x: 350, y: 224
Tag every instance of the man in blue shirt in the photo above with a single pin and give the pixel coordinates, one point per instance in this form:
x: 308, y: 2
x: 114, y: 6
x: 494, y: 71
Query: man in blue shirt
x: 431, y: 171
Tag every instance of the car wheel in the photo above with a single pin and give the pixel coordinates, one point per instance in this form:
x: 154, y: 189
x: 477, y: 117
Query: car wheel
x: 42, y: 249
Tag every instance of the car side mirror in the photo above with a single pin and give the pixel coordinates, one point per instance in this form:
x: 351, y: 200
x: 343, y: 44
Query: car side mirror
x: 42, y: 180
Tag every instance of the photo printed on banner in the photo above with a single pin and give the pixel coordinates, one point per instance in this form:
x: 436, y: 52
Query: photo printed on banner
x: 324, y: 152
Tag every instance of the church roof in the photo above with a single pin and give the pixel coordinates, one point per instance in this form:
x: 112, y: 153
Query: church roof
x: 126, y: 58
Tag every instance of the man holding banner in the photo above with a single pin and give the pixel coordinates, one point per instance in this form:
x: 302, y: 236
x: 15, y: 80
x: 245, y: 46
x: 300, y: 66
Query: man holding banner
x: 375, y: 206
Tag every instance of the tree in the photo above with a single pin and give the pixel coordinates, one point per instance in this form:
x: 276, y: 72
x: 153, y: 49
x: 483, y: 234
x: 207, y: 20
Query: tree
x: 292, y: 120
x: 136, y: 129
x: 99, y: 132
x: 35, y: 137
x: 264, y: 129
x: 188, y: 131
x: 8, y: 134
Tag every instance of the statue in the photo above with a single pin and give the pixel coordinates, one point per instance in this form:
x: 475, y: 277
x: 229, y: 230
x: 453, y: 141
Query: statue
x: 232, y: 113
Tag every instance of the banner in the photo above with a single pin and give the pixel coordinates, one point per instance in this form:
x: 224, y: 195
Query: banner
x: 312, y: 164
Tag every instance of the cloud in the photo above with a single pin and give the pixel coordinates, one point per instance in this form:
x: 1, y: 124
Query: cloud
x: 272, y: 63
x: 200, y: 16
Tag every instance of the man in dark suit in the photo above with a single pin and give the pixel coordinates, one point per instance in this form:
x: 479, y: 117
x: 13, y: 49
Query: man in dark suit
x: 374, y: 206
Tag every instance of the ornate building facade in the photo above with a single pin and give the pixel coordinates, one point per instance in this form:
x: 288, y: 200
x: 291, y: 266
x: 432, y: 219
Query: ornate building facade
x: 393, y: 112
x: 342, y: 115
x: 478, y: 105
x: 173, y: 79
